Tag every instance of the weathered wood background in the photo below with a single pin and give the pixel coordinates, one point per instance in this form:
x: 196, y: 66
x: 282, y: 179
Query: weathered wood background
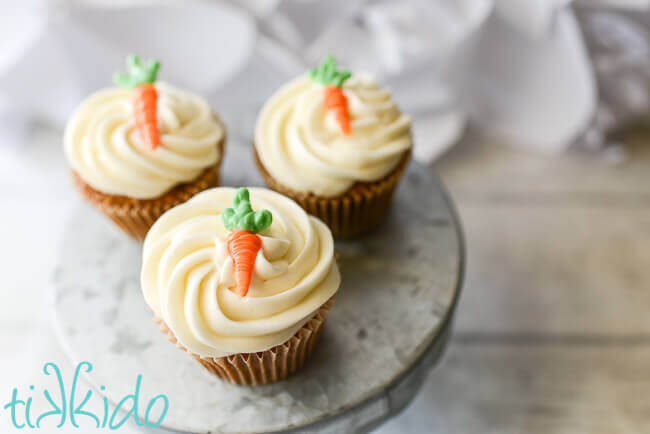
x: 553, y: 327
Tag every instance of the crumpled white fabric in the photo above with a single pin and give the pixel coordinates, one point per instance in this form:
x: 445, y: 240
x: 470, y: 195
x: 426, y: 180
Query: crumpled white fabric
x: 532, y: 83
x: 518, y: 70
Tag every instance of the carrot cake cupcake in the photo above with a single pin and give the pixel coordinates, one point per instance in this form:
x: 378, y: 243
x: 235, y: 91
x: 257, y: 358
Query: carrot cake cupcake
x: 138, y: 149
x: 337, y: 144
x: 241, y: 280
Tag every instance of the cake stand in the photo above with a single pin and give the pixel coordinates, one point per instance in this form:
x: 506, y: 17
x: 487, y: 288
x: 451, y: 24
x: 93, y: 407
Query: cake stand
x: 387, y: 329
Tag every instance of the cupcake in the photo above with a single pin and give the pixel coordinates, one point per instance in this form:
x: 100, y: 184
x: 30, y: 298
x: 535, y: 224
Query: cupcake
x: 337, y: 144
x: 244, y: 292
x: 142, y: 147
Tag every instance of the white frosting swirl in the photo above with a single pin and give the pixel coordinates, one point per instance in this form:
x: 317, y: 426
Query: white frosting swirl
x: 188, y: 280
x: 105, y: 148
x: 301, y: 144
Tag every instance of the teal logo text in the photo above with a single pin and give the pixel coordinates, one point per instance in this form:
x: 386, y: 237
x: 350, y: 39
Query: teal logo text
x: 66, y: 406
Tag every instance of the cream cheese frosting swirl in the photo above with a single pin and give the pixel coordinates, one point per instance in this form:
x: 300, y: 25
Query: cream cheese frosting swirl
x: 188, y: 280
x: 302, y: 147
x: 105, y: 148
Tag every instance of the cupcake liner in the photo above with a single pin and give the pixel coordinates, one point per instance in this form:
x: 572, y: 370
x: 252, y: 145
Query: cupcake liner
x: 355, y: 212
x: 136, y: 216
x: 263, y: 367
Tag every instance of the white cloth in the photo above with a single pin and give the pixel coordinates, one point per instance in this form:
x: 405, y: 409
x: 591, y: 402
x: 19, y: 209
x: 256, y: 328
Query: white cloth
x: 53, y: 57
x: 531, y: 82
x: 518, y: 70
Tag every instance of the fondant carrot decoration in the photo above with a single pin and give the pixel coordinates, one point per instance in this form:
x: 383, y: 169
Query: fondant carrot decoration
x: 141, y: 78
x: 242, y: 242
x: 335, y: 101
x: 242, y: 248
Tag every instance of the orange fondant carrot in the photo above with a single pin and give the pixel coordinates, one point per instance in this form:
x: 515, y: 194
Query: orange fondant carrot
x: 336, y: 102
x: 144, y: 108
x: 141, y: 79
x: 242, y: 243
x: 242, y: 248
x: 332, y: 79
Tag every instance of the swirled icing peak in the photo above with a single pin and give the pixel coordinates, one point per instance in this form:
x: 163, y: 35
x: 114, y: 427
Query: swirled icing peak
x: 189, y: 278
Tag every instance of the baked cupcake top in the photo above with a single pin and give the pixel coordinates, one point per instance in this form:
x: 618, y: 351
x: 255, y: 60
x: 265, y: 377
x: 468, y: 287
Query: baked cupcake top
x: 227, y: 279
x: 142, y: 139
x: 324, y: 132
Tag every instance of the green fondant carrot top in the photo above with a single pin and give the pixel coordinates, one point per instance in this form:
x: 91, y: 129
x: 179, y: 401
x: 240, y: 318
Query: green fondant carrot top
x: 137, y: 73
x: 241, y: 216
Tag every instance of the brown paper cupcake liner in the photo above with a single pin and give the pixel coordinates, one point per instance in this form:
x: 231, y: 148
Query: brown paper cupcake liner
x: 356, y: 212
x: 136, y: 216
x: 263, y: 367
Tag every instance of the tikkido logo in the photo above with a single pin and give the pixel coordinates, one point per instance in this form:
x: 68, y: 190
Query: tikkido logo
x: 68, y: 409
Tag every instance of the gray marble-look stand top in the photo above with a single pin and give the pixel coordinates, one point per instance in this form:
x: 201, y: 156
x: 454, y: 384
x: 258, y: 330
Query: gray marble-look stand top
x: 387, y: 325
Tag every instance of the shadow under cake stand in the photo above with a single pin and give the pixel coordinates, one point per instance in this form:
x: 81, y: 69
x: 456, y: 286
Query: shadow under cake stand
x: 387, y: 329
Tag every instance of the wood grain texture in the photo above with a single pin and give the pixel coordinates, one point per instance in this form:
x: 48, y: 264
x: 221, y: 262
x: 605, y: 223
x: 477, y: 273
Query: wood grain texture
x: 522, y: 388
x: 553, y: 326
x: 568, y: 270
x: 557, y: 247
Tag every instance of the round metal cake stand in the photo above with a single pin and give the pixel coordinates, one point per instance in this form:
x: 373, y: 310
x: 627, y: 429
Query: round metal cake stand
x: 387, y: 329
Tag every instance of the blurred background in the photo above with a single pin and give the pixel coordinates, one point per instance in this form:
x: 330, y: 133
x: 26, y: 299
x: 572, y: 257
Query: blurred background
x: 535, y: 115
